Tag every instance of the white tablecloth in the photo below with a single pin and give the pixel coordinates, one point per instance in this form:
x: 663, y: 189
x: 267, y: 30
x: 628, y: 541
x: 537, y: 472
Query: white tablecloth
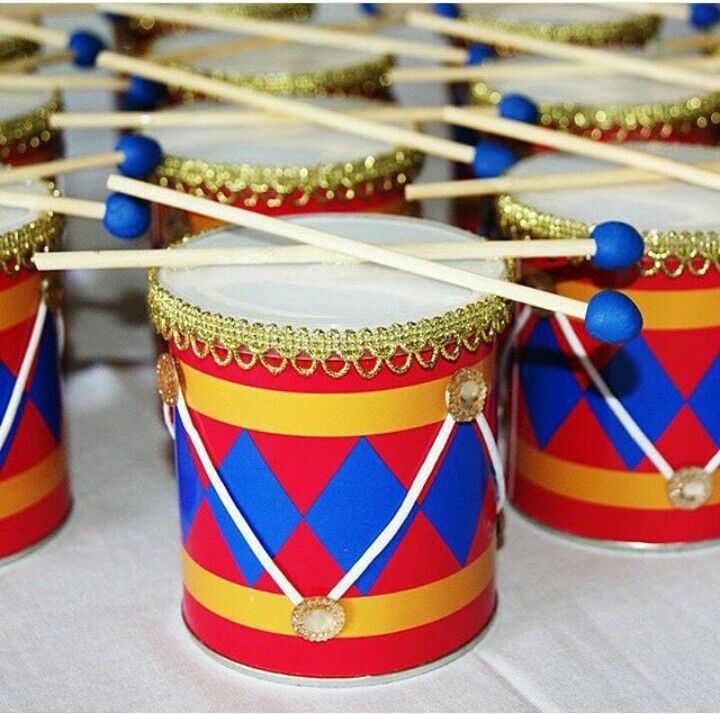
x: 91, y: 620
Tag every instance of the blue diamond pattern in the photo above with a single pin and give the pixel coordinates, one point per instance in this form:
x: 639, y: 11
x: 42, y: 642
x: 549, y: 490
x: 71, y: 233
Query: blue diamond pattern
x: 704, y: 401
x: 7, y: 382
x: 457, y: 492
x: 262, y: 501
x: 190, y: 489
x: 638, y: 380
x: 550, y: 389
x: 45, y: 387
x: 355, y: 506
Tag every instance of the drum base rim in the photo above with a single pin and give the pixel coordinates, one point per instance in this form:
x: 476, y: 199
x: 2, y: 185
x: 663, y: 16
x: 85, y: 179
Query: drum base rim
x: 337, y: 682
x: 11, y: 559
x: 615, y: 546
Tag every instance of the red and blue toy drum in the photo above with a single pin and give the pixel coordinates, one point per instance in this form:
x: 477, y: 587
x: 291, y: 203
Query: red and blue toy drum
x: 34, y: 489
x: 336, y: 460
x: 621, y: 444
x: 25, y: 133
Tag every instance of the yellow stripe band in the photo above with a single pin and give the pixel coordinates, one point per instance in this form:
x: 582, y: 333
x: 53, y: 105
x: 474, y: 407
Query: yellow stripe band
x: 662, y: 309
x: 367, y: 616
x: 29, y: 487
x: 19, y: 303
x: 606, y: 487
x: 320, y: 414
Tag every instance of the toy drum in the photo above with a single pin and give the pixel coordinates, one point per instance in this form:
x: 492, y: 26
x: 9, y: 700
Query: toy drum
x: 34, y: 488
x: 567, y: 22
x: 621, y: 444
x: 335, y: 455
x: 612, y: 107
x: 25, y: 133
x: 286, y: 69
x: 278, y: 168
x: 134, y: 34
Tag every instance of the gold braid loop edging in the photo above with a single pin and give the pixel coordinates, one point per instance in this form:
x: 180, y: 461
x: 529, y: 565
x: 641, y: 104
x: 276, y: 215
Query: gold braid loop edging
x: 669, y: 253
x: 16, y: 48
x: 275, y: 185
x: 367, y: 350
x: 25, y: 132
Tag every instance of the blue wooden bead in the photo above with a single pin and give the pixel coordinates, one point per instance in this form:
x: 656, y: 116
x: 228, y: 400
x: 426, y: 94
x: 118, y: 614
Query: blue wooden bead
x: 478, y: 53
x: 370, y: 8
x: 126, y: 217
x: 612, y: 317
x: 142, y: 155
x: 143, y: 94
x: 85, y: 47
x: 492, y: 159
x: 519, y: 108
x: 447, y: 9
x: 704, y: 15
x: 618, y: 245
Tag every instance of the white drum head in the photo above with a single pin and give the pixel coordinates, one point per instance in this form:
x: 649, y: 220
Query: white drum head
x: 13, y: 218
x: 326, y: 296
x: 663, y: 206
x: 269, y: 144
x: 17, y: 104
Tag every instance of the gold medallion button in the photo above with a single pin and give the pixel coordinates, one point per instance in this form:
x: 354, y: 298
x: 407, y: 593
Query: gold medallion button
x: 167, y: 379
x: 690, y: 488
x: 318, y: 619
x: 466, y: 394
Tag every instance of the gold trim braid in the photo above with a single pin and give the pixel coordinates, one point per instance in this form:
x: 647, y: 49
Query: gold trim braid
x: 669, y: 253
x: 273, y: 185
x: 40, y: 235
x: 16, y: 48
x: 663, y: 118
x: 232, y: 340
x: 632, y: 30
x: 25, y: 132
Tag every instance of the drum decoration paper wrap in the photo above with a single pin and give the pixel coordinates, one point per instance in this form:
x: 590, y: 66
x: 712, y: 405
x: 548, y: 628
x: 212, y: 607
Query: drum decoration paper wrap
x: 621, y: 444
x: 280, y: 169
x: 133, y: 35
x: 326, y: 441
x: 34, y: 488
x: 25, y: 133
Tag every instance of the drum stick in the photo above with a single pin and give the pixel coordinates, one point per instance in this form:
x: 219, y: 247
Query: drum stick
x: 584, y: 147
x: 697, y: 41
x: 623, y: 314
x: 501, y: 70
x: 293, y: 32
x: 22, y: 64
x: 210, y: 118
x: 43, y: 202
x: 303, y: 254
x: 670, y: 11
x: 33, y: 82
x: 398, y: 136
x: 573, y: 53
x: 548, y: 182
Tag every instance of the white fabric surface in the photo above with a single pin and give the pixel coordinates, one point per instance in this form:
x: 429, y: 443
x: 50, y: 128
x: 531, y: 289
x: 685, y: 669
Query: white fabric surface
x: 91, y: 620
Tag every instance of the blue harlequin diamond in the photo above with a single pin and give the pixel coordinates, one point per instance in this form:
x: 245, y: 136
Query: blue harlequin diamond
x: 636, y: 378
x: 45, y: 388
x: 7, y: 382
x: 354, y: 508
x: 705, y: 401
x: 549, y: 387
x: 190, y: 489
x: 457, y: 492
x: 261, y: 500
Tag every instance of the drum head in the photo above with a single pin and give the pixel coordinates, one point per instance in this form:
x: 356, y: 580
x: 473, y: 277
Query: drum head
x: 326, y: 296
x: 17, y: 104
x: 13, y: 218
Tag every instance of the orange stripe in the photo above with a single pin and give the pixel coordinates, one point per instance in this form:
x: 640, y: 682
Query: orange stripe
x: 19, y: 303
x: 32, y: 485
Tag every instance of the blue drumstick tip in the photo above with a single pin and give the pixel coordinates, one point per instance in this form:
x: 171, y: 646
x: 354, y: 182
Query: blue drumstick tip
x: 478, y: 53
x: 612, y: 317
x: 142, y: 155
x: 618, y: 245
x: 519, y: 108
x: 143, y: 94
x: 370, y: 8
x: 704, y: 15
x: 126, y: 217
x: 447, y: 9
x: 492, y: 159
x: 85, y: 47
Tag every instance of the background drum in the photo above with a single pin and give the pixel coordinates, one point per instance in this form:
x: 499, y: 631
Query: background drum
x: 34, y: 489
x: 25, y: 136
x: 644, y: 472
x: 279, y: 168
x: 382, y: 381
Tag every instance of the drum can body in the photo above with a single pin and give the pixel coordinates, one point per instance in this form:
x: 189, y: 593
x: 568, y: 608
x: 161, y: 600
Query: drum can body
x: 34, y: 486
x: 321, y: 456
